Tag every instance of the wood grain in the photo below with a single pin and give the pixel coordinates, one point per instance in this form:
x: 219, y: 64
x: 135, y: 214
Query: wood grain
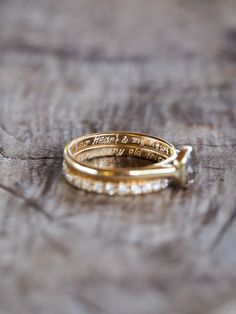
x: 68, y: 68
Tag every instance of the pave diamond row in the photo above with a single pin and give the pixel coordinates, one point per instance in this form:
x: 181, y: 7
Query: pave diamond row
x: 117, y: 188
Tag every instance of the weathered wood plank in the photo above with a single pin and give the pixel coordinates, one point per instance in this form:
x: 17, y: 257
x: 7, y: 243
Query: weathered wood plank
x: 71, y: 67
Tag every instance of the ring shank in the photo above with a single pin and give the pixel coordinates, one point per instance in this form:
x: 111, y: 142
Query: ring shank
x: 136, y: 144
x: 168, y: 164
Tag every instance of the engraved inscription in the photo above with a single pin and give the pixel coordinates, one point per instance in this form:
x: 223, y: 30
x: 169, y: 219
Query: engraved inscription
x: 138, y: 141
x: 118, y: 139
x: 103, y: 140
x: 136, y: 152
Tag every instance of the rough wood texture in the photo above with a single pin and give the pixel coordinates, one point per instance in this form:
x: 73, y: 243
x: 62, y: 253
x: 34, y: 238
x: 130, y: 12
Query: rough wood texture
x: 71, y: 67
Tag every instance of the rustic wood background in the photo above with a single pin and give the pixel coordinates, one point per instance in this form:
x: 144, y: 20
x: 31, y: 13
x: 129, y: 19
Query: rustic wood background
x: 70, y: 67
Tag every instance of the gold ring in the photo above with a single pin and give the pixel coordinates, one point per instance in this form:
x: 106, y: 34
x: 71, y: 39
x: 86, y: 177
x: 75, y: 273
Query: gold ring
x: 168, y: 163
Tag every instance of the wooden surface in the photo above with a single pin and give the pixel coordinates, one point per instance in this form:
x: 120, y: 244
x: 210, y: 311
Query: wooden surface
x: 71, y: 67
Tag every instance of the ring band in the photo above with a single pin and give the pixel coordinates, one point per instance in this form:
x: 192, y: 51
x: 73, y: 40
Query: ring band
x: 169, y: 164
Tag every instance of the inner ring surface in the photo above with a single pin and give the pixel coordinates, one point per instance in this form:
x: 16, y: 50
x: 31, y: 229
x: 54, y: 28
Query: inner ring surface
x: 85, y: 155
x: 114, y: 139
x: 142, y: 142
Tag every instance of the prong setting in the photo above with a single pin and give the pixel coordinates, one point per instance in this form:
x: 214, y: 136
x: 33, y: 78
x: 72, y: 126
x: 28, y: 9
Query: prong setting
x: 183, y: 164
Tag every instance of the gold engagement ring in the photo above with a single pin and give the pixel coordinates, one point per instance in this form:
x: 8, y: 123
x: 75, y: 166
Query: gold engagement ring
x: 168, y: 164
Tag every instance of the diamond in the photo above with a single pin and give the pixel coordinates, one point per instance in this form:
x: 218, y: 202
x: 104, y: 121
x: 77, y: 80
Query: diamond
x: 85, y: 184
x: 164, y: 183
x: 72, y: 179
x: 183, y: 164
x: 156, y: 185
x: 110, y: 188
x: 77, y: 182
x: 123, y: 189
x: 147, y: 187
x: 136, y: 188
x: 98, y: 187
x: 190, y: 174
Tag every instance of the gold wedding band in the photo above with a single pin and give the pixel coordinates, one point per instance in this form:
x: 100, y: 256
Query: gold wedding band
x: 168, y: 163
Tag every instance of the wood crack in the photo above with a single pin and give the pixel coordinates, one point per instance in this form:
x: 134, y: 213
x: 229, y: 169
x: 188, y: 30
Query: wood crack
x: 224, y: 229
x: 9, y: 133
x: 213, y: 168
x: 28, y: 201
x: 94, y: 55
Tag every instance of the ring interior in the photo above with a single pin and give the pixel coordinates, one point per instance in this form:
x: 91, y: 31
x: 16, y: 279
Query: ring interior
x: 88, y: 154
x: 118, y: 144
